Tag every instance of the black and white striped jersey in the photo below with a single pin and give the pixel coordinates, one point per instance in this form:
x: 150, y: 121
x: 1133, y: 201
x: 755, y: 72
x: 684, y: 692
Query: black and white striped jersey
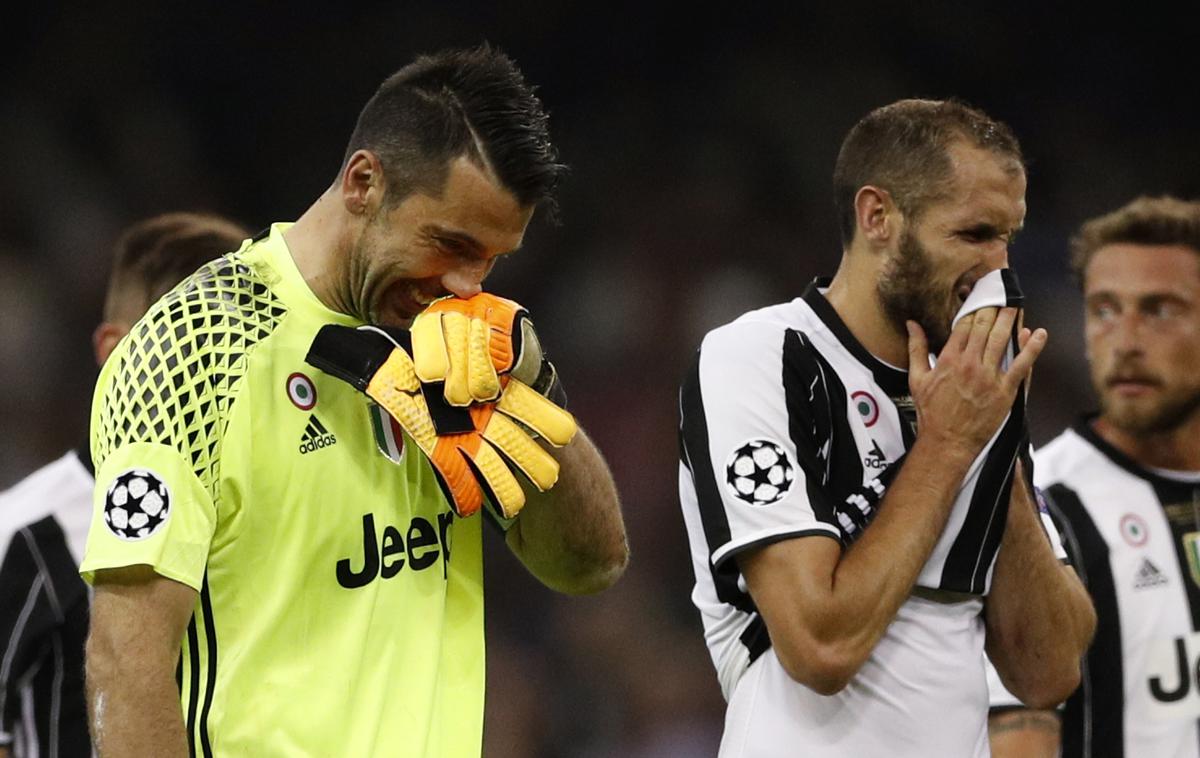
x: 44, y: 610
x: 790, y: 427
x: 1134, y: 536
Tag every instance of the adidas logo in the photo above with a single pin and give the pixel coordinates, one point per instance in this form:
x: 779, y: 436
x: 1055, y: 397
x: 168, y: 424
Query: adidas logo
x: 315, y: 436
x: 1148, y: 576
x: 875, y: 459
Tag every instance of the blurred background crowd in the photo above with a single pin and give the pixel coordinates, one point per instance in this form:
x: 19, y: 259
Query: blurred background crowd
x: 701, y: 144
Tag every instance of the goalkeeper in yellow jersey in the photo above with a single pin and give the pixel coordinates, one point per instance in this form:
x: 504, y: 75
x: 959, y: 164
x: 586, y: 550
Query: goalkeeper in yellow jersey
x: 284, y: 546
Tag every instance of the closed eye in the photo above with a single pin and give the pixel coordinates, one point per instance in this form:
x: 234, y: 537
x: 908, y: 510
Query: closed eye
x: 984, y: 233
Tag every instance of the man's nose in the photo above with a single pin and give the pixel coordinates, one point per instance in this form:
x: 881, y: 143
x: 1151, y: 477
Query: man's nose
x: 1127, y: 332
x: 997, y: 256
x: 466, y: 280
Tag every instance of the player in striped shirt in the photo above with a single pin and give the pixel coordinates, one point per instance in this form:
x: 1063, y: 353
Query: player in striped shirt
x: 1124, y: 487
x: 44, y: 517
x: 852, y: 535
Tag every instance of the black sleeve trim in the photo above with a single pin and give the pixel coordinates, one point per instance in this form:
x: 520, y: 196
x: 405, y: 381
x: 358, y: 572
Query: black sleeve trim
x: 773, y: 538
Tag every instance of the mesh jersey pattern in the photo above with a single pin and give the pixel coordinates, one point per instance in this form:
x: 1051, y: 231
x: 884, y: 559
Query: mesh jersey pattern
x: 180, y: 365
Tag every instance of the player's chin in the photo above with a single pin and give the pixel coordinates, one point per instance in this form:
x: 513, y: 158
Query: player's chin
x: 397, y: 310
x: 1136, y: 415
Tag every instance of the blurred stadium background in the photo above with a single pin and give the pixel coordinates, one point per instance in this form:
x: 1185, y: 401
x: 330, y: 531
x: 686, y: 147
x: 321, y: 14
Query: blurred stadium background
x: 702, y: 144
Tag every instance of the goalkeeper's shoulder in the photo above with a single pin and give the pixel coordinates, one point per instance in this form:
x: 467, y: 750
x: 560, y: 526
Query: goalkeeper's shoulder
x: 192, y: 347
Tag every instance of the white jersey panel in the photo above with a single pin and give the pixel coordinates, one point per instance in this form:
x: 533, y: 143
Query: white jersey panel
x: 61, y: 488
x: 917, y: 696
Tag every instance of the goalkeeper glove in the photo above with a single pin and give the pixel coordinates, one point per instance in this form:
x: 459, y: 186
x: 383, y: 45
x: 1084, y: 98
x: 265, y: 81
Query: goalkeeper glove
x: 467, y: 345
x: 468, y: 447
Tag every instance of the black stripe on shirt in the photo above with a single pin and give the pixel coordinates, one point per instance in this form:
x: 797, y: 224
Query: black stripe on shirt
x: 890, y: 379
x: 193, y: 649
x: 694, y: 452
x: 756, y: 638
x: 210, y: 633
x: 825, y: 446
x: 974, y: 549
x: 1093, y: 718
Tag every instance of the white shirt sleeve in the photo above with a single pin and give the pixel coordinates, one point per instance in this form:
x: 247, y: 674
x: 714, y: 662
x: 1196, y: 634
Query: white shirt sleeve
x: 767, y: 471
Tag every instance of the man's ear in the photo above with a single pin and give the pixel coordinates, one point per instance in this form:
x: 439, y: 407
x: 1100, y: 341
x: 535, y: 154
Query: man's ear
x: 362, y: 183
x: 105, y: 338
x: 876, y: 214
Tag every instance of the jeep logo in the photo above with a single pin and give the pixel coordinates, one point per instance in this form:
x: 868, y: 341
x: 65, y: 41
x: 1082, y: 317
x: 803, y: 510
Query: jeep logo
x: 385, y: 557
x: 1175, y: 676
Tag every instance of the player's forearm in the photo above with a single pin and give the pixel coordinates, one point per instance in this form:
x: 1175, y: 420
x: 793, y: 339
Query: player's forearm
x: 876, y: 575
x: 1024, y: 734
x: 137, y: 623
x: 1040, y: 619
x: 572, y: 538
x: 133, y: 705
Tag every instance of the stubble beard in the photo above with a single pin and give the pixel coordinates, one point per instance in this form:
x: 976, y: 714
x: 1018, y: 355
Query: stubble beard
x: 1175, y: 409
x: 908, y: 292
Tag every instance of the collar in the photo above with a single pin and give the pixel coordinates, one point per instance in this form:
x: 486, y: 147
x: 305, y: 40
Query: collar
x: 1083, y: 427
x: 295, y: 292
x: 892, y: 380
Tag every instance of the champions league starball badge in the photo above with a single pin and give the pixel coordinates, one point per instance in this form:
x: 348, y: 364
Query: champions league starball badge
x: 759, y: 472
x: 136, y: 505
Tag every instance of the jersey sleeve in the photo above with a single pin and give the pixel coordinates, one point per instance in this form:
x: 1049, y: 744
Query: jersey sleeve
x: 157, y: 420
x: 755, y: 465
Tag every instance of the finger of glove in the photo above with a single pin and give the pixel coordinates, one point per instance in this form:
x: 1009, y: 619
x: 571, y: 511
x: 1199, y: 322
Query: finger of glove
x: 456, y: 329
x: 398, y: 391
x: 524, y: 404
x: 483, y: 383
x: 449, y: 458
x: 504, y: 488
x: 429, y: 347
x: 500, y: 313
x: 528, y: 456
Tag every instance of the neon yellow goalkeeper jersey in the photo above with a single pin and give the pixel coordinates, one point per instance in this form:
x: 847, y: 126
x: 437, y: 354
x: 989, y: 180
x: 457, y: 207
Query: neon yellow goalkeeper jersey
x: 341, y: 603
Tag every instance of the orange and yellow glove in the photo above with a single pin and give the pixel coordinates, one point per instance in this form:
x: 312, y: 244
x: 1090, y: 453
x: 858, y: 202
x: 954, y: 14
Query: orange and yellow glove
x: 471, y: 448
x: 468, y: 345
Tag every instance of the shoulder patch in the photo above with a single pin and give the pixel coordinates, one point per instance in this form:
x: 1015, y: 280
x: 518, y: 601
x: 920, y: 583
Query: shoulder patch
x: 137, y: 504
x: 759, y: 472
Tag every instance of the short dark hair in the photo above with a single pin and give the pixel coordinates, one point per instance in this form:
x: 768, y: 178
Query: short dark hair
x: 904, y: 149
x: 152, y: 256
x: 459, y: 102
x: 1143, y: 221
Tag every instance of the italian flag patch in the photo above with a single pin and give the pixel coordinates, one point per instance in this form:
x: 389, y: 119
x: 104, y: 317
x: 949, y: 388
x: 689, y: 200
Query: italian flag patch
x: 389, y: 437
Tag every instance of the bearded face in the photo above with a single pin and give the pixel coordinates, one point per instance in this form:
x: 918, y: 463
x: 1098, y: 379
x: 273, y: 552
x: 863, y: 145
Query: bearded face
x: 1164, y: 407
x: 911, y: 290
x: 946, y: 245
x: 1143, y: 335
